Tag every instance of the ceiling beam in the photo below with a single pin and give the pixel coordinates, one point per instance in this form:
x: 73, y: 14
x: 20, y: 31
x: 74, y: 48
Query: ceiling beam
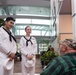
x: 23, y: 16
x: 43, y: 3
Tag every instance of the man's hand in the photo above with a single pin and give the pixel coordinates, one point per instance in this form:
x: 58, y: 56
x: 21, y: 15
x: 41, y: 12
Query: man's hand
x: 11, y: 56
x: 29, y: 56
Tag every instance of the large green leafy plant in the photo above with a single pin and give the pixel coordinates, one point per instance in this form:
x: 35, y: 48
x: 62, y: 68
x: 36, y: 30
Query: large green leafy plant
x: 48, y: 56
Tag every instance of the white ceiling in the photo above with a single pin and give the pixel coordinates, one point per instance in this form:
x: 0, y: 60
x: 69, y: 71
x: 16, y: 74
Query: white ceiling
x: 66, y: 7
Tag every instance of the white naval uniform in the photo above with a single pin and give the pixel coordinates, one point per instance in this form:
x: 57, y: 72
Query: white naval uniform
x: 30, y: 49
x: 5, y: 47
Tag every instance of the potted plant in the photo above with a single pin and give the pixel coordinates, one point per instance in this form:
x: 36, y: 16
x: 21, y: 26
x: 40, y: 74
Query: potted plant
x: 48, y: 56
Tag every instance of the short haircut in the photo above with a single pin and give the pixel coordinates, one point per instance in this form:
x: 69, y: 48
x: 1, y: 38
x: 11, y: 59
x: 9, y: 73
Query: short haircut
x: 10, y: 18
x: 26, y: 27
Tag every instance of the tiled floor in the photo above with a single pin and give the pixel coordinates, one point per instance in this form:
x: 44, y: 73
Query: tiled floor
x: 38, y: 68
x: 20, y: 74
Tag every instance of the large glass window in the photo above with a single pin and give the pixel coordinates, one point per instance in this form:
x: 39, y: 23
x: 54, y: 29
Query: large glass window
x: 40, y: 27
x: 26, y: 10
x: 36, y: 17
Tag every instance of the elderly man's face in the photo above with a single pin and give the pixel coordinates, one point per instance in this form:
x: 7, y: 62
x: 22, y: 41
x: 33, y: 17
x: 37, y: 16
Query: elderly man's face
x: 63, y: 48
x: 67, y: 46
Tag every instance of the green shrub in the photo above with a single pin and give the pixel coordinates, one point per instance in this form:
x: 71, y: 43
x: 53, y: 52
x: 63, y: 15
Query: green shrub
x: 48, y: 56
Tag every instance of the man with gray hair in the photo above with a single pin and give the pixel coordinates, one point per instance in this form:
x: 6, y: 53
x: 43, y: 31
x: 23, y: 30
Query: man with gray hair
x: 64, y: 64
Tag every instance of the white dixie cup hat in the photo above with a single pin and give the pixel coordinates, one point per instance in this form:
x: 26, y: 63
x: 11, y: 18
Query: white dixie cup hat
x: 8, y: 64
x: 29, y: 63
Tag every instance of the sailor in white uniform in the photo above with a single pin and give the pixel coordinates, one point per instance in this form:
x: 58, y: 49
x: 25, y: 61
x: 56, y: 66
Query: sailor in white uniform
x: 7, y: 46
x: 28, y: 48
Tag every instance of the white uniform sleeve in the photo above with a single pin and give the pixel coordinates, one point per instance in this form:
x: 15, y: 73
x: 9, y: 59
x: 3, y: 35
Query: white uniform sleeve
x: 14, y: 46
x: 3, y: 47
x: 22, y: 47
x: 34, y: 46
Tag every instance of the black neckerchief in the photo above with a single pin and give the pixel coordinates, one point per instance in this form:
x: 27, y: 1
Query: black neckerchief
x: 27, y: 40
x: 10, y: 35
